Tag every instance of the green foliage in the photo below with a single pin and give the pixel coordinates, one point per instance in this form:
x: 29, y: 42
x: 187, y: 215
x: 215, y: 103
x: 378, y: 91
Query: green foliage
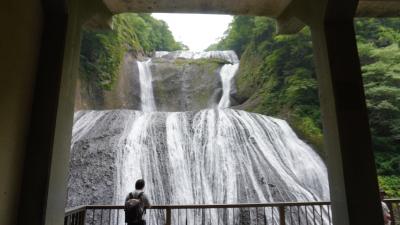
x: 387, y: 161
x: 100, y: 57
x: 280, y: 69
x: 277, y: 77
x: 379, y: 32
x: 378, y: 42
x: 391, y: 185
x: 102, y: 51
x: 242, y: 30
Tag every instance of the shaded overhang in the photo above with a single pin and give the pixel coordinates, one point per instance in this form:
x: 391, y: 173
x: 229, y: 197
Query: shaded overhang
x: 378, y: 8
x: 270, y: 8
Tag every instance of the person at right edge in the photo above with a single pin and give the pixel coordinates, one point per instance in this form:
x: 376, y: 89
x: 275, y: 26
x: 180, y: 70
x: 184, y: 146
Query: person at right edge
x: 136, y: 204
x: 385, y: 208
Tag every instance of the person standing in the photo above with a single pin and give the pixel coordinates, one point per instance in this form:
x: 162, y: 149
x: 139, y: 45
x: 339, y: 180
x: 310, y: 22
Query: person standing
x: 385, y: 208
x: 136, y: 204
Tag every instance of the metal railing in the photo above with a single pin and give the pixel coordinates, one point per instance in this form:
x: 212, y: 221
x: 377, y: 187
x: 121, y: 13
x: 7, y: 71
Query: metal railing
x: 284, y: 213
x: 293, y: 213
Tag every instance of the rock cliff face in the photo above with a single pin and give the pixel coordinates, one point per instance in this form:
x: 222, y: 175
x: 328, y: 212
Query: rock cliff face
x: 179, y: 84
x: 92, y: 173
x: 124, y: 95
x: 186, y: 84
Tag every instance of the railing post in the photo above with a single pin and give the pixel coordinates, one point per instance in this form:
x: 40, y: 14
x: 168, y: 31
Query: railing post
x: 168, y: 216
x: 390, y: 206
x: 282, y: 215
x: 83, y: 217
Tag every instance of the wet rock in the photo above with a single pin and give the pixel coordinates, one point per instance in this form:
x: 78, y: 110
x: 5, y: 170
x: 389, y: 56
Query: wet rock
x: 186, y: 85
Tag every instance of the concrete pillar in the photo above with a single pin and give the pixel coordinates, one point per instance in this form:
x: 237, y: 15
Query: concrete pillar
x: 351, y: 167
x: 19, y: 50
x: 347, y: 139
x: 43, y: 192
x: 35, y: 180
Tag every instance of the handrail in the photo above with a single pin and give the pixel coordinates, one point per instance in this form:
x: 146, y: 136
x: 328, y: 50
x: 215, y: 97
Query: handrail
x: 77, y: 215
x: 205, y: 206
x: 76, y: 209
x: 392, y: 200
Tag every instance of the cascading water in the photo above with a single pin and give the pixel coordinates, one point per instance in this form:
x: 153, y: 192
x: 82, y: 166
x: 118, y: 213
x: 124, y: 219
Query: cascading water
x: 230, y: 56
x: 146, y: 88
x: 210, y: 156
x: 227, y: 72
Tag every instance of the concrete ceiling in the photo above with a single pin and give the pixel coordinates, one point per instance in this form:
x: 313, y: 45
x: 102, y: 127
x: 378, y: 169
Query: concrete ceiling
x: 271, y: 8
x: 378, y: 8
x: 286, y: 23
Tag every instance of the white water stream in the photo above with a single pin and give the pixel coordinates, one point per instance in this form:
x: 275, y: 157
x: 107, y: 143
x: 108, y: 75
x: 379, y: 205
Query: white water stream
x: 227, y: 73
x: 146, y: 87
x: 229, y: 56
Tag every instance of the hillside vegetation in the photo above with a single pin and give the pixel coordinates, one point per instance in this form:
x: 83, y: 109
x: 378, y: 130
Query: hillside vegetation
x: 102, y: 52
x: 277, y: 78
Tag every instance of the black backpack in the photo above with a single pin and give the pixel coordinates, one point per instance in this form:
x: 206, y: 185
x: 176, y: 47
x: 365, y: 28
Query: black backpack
x: 134, y: 208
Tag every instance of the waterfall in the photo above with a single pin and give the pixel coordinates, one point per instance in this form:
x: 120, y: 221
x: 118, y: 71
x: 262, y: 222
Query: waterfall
x: 211, y: 156
x: 146, y: 87
x: 204, y: 157
x: 227, y: 72
x: 229, y: 55
x: 218, y: 156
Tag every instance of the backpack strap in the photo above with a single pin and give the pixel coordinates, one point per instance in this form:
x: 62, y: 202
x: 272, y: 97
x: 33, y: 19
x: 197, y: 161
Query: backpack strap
x: 140, y: 198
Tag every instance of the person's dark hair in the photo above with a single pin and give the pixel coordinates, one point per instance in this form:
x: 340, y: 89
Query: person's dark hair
x: 139, y: 184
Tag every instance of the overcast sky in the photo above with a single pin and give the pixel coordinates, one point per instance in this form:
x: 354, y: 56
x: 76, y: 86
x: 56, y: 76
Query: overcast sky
x: 197, y: 31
